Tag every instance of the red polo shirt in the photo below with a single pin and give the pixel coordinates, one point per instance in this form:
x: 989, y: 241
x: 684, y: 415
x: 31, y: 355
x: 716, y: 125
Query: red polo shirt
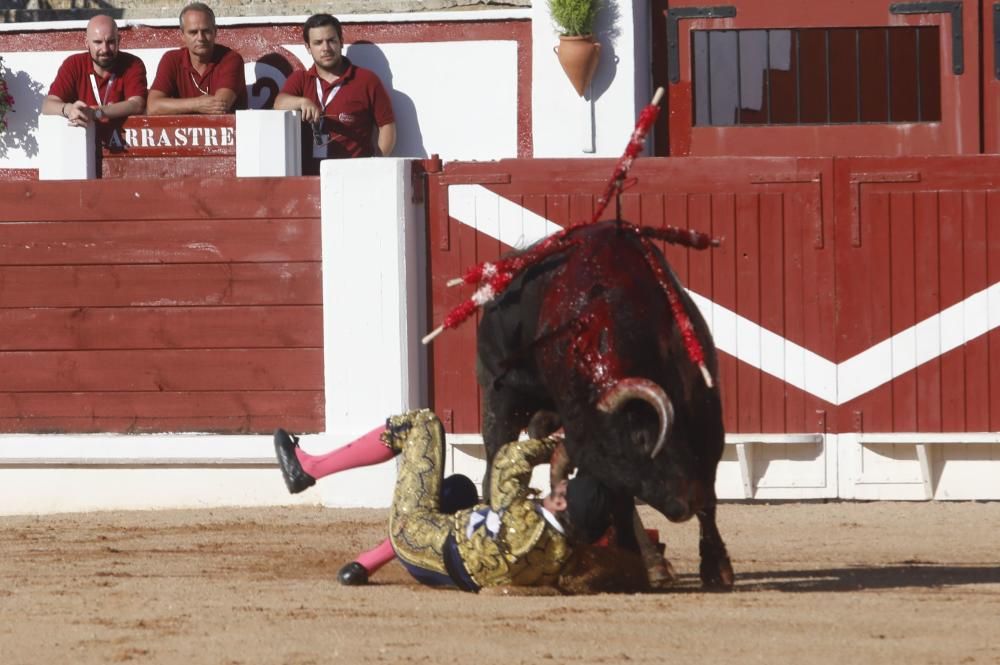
x: 177, y: 79
x: 349, y: 120
x: 73, y: 80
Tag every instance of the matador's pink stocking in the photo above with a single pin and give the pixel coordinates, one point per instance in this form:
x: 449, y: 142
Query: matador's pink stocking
x: 363, y: 451
x: 377, y: 557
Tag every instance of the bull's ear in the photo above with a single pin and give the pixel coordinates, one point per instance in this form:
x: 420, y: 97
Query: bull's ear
x: 644, y: 441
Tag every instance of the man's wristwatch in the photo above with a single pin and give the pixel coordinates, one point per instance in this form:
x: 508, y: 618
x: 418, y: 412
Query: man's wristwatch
x: 98, y: 114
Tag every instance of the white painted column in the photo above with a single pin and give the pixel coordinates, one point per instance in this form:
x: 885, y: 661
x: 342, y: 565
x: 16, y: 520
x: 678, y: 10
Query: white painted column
x: 65, y: 152
x: 373, y: 315
x: 268, y: 144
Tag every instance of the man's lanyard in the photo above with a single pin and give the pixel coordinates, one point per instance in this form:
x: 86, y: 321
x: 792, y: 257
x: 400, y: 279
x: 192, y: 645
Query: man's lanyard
x: 320, y: 151
x: 329, y: 98
x: 107, y: 91
x: 200, y: 89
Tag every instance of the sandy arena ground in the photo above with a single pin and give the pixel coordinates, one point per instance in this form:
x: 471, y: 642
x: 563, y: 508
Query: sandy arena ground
x: 840, y: 583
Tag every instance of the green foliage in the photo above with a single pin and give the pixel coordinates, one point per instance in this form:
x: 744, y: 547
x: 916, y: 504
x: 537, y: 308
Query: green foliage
x: 574, y: 17
x: 6, y: 101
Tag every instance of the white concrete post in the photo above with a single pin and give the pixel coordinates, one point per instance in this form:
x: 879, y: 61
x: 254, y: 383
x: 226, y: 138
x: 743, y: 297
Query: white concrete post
x: 268, y: 144
x: 65, y: 152
x: 372, y: 313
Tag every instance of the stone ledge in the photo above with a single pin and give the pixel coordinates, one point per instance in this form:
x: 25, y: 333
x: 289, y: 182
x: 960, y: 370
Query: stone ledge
x: 30, y: 11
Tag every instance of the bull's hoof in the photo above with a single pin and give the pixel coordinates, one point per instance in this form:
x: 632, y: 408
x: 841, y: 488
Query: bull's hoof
x: 661, y: 575
x: 296, y: 479
x: 353, y: 574
x: 718, y: 575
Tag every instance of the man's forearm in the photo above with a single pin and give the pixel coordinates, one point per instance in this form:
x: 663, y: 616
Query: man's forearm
x: 52, y: 105
x: 286, y: 102
x: 131, y: 106
x: 170, y: 106
x: 386, y: 139
x: 227, y: 96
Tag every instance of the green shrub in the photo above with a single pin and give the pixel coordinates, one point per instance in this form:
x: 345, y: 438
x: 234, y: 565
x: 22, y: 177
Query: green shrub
x: 574, y: 17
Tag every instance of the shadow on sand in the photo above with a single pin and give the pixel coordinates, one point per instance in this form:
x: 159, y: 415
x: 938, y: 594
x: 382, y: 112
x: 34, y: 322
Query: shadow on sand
x: 899, y: 576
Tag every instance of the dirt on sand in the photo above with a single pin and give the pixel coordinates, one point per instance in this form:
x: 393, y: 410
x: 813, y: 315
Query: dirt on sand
x: 831, y: 583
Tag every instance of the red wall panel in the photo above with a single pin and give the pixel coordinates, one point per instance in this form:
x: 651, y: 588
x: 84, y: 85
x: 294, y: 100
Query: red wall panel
x: 161, y: 306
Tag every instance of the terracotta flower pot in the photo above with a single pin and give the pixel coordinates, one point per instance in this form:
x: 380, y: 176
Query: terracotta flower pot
x: 578, y: 55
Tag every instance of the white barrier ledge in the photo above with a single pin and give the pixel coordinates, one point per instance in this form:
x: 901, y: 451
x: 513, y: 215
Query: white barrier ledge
x: 65, y: 152
x: 930, y: 461
x: 268, y: 144
x: 971, y: 438
x: 738, y: 478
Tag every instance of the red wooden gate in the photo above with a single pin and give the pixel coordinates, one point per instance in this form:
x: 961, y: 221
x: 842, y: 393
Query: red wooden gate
x: 918, y: 294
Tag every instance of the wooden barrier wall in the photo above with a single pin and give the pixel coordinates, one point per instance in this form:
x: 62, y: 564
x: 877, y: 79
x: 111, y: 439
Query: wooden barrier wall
x: 160, y: 306
x: 855, y: 303
x: 847, y: 295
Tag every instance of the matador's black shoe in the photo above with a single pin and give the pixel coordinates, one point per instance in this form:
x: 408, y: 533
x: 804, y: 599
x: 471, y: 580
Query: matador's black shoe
x: 296, y: 479
x: 353, y: 574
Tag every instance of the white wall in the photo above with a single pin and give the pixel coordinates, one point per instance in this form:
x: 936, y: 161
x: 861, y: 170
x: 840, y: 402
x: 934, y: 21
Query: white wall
x: 600, y: 123
x: 457, y: 99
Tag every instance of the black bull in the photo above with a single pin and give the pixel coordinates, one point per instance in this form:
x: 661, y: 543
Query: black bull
x: 589, y: 334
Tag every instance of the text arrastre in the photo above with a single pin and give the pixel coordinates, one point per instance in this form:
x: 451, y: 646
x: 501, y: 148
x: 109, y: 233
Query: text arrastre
x: 169, y: 136
x: 178, y: 137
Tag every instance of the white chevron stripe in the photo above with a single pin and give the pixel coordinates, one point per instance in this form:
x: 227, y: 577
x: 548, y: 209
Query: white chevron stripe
x: 497, y: 217
x: 500, y: 218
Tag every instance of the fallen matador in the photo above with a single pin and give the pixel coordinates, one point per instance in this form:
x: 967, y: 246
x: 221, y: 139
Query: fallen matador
x: 444, y: 538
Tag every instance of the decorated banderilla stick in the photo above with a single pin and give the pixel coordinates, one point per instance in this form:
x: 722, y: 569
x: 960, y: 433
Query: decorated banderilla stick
x: 492, y: 277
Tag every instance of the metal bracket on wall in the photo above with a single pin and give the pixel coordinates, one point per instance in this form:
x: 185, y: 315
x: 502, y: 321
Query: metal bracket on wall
x: 957, y: 28
x: 797, y: 177
x: 674, y: 15
x: 856, y: 180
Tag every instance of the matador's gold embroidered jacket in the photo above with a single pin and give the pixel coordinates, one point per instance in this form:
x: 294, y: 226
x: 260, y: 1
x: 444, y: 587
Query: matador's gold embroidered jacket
x: 520, y: 548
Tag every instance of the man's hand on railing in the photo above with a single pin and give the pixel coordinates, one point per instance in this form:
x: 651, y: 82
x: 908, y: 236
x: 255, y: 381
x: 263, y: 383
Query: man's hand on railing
x: 210, y: 105
x: 78, y: 113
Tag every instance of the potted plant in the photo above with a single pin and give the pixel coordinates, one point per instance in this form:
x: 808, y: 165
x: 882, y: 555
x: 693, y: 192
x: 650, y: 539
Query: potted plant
x: 577, y: 51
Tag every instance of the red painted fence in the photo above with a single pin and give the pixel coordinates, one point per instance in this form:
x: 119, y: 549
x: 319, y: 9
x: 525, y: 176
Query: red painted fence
x: 849, y: 294
x: 160, y: 306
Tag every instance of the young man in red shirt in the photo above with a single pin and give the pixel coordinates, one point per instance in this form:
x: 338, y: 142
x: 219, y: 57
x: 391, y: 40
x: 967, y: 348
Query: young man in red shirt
x: 201, y: 76
x: 101, y: 83
x: 343, y: 105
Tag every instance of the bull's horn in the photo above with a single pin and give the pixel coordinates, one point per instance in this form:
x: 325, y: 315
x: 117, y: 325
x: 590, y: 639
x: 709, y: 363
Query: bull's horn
x: 646, y: 390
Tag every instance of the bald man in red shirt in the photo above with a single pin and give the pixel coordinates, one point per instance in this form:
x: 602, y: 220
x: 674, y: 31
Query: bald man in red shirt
x: 201, y: 76
x: 344, y: 105
x: 102, y: 83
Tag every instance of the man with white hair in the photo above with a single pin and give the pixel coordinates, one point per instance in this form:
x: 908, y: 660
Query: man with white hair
x: 102, y: 83
x: 201, y: 76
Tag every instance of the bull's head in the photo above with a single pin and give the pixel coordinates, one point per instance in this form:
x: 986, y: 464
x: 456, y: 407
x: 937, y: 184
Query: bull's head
x: 645, y: 450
